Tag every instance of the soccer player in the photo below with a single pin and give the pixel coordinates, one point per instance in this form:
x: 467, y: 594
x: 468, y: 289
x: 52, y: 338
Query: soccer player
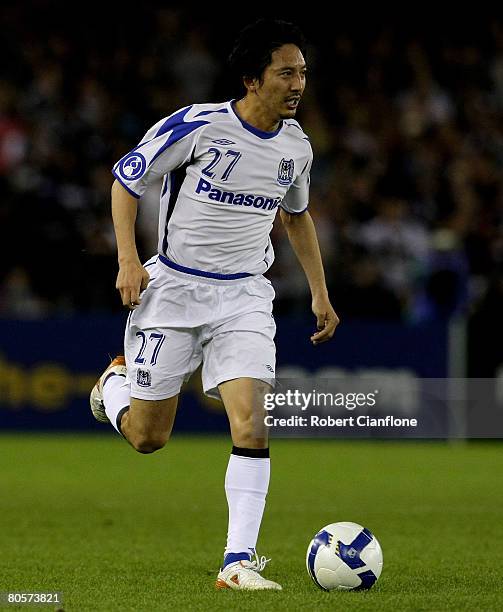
x: 226, y: 168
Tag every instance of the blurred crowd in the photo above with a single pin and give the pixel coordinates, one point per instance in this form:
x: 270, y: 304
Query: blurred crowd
x: 407, y: 183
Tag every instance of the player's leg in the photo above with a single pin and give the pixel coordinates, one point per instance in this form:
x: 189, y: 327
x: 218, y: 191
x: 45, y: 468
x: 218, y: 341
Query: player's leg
x: 138, y: 393
x: 243, y: 399
x: 248, y: 470
x: 146, y: 424
x: 239, y: 359
x: 140, y: 400
x: 246, y: 483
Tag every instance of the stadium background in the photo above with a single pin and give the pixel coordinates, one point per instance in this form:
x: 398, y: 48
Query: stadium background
x: 406, y: 121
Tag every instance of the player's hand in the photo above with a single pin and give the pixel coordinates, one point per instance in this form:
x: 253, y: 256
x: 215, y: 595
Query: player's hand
x: 326, y: 320
x: 131, y: 280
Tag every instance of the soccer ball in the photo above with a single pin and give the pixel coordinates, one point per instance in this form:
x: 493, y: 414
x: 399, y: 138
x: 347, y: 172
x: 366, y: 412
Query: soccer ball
x: 344, y: 556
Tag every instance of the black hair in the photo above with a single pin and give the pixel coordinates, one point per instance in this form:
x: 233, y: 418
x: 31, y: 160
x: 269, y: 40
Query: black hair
x: 253, y: 49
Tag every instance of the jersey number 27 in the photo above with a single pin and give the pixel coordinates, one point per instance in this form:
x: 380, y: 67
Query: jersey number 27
x: 217, y: 156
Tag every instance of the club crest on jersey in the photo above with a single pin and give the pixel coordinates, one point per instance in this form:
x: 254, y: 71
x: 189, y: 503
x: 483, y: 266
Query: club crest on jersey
x: 132, y: 166
x: 285, y: 171
x: 143, y: 378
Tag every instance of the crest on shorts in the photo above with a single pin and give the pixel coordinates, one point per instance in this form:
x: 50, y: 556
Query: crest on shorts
x: 285, y: 171
x: 143, y: 378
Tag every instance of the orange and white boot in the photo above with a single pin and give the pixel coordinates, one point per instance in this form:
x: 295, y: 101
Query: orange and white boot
x: 116, y: 368
x: 244, y: 576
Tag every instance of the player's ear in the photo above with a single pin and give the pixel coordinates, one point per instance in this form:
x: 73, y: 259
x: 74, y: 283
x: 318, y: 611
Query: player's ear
x: 250, y: 83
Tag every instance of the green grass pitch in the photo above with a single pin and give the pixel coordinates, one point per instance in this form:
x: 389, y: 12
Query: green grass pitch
x: 115, y: 530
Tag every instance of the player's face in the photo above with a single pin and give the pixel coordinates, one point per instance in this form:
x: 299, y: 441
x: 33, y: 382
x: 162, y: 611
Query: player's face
x: 283, y: 82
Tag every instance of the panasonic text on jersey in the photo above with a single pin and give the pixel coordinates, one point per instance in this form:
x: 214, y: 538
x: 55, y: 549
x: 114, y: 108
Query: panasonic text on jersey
x: 229, y: 197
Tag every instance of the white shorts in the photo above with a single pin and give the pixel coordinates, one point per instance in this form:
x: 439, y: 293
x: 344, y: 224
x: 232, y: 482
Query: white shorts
x: 184, y: 320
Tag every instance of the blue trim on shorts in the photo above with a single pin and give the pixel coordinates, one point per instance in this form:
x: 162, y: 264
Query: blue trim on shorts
x: 195, y: 272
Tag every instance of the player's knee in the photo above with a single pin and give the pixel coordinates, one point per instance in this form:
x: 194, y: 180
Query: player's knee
x: 250, y: 432
x: 148, y: 443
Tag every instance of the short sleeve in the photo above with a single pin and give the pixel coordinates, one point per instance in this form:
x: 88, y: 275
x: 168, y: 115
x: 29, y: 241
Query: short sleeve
x: 165, y: 147
x: 296, y: 199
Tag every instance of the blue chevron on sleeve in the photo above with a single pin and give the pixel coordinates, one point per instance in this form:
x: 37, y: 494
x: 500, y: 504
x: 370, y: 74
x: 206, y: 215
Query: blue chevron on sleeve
x: 179, y: 129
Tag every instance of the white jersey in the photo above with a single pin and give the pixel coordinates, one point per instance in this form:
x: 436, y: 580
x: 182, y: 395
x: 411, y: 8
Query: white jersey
x: 223, y: 183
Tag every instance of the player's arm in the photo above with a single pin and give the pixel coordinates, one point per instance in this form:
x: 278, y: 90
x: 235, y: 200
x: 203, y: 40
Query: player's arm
x: 132, y: 276
x: 302, y: 236
x: 167, y: 145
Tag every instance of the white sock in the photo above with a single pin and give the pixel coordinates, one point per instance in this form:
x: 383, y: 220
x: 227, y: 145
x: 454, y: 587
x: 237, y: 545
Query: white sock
x: 116, y: 396
x: 246, y: 485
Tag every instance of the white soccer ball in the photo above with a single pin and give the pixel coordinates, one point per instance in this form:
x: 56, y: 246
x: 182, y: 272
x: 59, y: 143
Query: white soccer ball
x: 344, y: 556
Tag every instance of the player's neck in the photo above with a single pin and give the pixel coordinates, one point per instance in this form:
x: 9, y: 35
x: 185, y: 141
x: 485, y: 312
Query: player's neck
x: 256, y: 115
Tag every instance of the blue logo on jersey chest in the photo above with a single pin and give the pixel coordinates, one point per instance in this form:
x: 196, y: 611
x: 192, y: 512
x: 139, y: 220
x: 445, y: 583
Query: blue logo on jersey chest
x: 285, y: 171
